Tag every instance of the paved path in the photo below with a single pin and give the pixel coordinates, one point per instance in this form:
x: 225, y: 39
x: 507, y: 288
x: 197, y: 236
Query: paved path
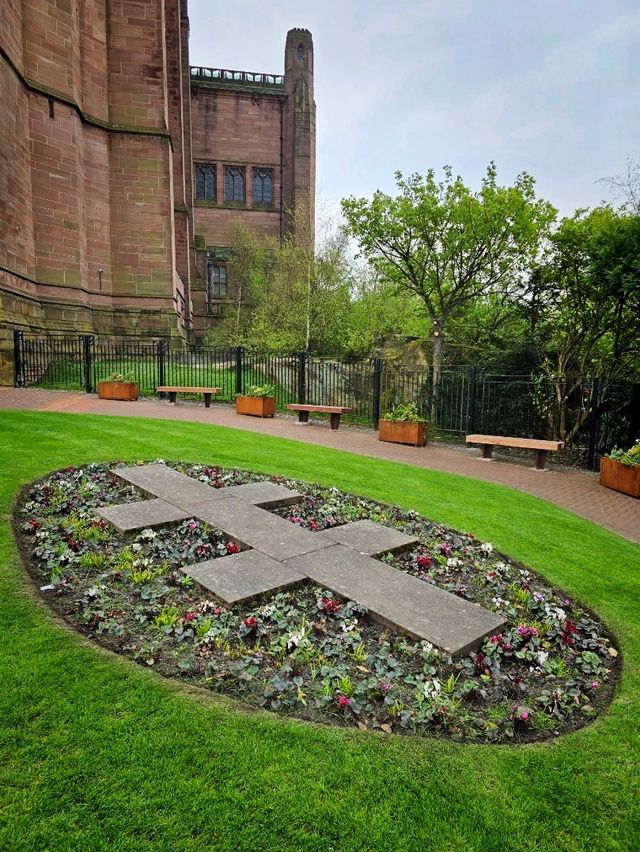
x: 577, y: 491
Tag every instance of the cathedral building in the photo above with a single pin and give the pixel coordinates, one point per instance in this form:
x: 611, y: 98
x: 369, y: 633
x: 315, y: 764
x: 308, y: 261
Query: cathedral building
x: 123, y: 169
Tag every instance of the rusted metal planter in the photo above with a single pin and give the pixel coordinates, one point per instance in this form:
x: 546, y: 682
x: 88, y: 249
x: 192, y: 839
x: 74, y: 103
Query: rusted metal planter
x: 412, y: 432
x: 620, y: 477
x: 256, y: 406
x: 127, y: 391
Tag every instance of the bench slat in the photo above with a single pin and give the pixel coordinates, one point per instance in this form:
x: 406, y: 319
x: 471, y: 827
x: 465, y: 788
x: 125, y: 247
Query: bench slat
x: 183, y: 389
x: 327, y: 409
x: 504, y: 441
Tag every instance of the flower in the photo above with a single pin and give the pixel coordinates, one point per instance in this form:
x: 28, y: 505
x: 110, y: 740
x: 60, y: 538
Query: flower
x: 232, y: 547
x: 189, y: 616
x: 486, y: 547
x: 424, y: 560
x: 193, y: 525
x: 527, y: 632
x: 445, y: 548
x: 343, y: 702
x: 251, y: 622
x: 329, y: 605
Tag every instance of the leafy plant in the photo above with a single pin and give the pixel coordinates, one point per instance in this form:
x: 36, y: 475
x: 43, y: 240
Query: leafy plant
x: 404, y: 413
x: 120, y: 377
x: 261, y: 390
x: 631, y: 457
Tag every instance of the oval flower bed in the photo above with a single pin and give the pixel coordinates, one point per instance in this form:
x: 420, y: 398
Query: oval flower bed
x: 304, y: 651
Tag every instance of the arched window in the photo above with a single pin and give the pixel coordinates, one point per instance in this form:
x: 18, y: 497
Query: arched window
x: 234, y: 183
x: 205, y: 182
x: 262, y: 186
x: 217, y: 281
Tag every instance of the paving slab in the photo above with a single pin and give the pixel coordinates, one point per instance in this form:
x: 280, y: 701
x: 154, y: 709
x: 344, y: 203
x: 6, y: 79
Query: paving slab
x: 257, y: 528
x: 169, y: 484
x: 399, y: 600
x: 139, y: 516
x: 243, y: 576
x: 369, y: 538
x: 268, y: 495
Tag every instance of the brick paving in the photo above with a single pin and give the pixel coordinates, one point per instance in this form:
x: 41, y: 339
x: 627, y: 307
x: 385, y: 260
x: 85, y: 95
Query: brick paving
x: 577, y: 491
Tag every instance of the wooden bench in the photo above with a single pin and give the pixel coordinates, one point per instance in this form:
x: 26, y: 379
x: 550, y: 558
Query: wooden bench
x: 334, y: 411
x: 174, y: 390
x: 488, y: 442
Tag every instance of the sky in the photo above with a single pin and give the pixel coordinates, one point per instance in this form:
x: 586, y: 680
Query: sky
x: 551, y: 87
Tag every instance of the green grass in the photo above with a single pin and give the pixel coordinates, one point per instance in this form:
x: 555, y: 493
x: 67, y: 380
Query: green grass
x: 98, y: 753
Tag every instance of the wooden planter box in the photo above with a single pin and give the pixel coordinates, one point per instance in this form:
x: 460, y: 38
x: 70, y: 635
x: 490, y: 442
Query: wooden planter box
x: 620, y: 477
x: 256, y: 406
x: 403, y: 432
x: 118, y: 390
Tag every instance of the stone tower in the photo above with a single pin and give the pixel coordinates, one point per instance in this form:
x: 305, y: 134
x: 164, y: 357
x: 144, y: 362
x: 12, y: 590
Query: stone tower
x: 300, y: 132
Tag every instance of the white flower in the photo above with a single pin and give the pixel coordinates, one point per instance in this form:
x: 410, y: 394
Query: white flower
x: 136, y: 546
x: 453, y: 562
x: 542, y: 657
x: 431, y: 688
x: 294, y: 640
x: 148, y: 534
x: 267, y: 611
x: 487, y: 548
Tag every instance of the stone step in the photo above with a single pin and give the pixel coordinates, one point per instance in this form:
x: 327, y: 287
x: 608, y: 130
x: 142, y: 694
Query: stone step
x: 254, y: 527
x: 268, y: 495
x: 138, y: 516
x: 242, y: 576
x: 169, y: 484
x: 399, y: 600
x: 369, y: 538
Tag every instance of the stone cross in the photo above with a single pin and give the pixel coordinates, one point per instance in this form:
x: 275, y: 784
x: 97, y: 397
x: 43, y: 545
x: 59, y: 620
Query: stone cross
x: 277, y: 554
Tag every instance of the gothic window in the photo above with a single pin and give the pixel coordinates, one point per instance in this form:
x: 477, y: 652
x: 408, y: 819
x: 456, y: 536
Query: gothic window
x: 300, y: 52
x: 262, y: 186
x: 234, y: 183
x: 205, y: 183
x: 217, y: 281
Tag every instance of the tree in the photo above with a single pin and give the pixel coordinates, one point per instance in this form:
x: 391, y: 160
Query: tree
x: 590, y: 303
x: 285, y: 296
x: 448, y: 245
x: 626, y: 187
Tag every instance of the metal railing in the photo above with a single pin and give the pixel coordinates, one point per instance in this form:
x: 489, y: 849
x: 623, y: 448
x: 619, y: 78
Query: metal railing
x: 590, y: 415
x: 245, y: 78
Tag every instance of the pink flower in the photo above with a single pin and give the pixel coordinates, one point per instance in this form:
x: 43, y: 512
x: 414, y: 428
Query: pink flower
x: 385, y: 687
x: 524, y: 715
x: 232, y: 547
x: 595, y: 684
x: 189, y: 616
x: 329, y: 605
x: 445, y: 548
x: 193, y: 525
x: 343, y: 702
x: 496, y: 639
x: 251, y: 622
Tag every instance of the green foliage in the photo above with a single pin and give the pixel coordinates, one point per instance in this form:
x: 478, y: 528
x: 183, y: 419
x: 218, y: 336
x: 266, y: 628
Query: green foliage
x: 404, y: 412
x: 449, y: 245
x: 261, y: 390
x: 120, y: 377
x: 629, y: 457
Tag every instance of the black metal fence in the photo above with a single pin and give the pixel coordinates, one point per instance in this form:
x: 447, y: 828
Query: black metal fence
x: 590, y: 415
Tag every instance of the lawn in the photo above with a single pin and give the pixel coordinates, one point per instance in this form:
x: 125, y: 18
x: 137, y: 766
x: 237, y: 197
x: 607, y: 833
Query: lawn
x: 101, y: 754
